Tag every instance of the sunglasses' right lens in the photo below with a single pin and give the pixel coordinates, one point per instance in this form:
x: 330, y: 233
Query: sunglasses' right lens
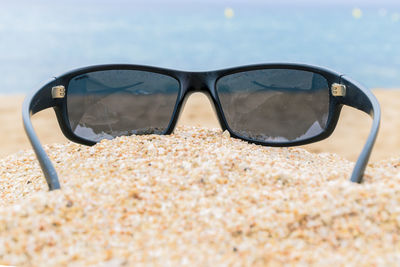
x: 275, y: 105
x: 111, y: 103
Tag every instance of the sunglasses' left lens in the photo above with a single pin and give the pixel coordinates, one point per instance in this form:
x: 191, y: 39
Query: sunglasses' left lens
x: 110, y: 103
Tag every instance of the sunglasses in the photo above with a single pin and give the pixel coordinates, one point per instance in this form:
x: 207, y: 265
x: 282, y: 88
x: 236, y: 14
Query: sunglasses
x: 268, y: 104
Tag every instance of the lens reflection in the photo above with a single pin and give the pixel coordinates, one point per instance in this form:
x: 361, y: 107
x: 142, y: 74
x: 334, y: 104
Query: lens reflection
x: 106, y: 104
x: 275, y: 105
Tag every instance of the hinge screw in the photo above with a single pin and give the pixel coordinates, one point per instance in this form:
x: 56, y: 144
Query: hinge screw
x: 338, y: 89
x: 58, y: 91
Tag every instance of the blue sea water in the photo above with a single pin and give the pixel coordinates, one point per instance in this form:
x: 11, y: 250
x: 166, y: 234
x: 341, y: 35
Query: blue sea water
x: 41, y: 39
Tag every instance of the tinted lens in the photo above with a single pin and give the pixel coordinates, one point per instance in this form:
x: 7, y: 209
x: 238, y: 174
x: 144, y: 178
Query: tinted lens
x: 110, y: 103
x: 275, y: 105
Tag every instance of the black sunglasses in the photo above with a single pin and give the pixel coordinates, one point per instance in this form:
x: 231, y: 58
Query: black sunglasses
x: 268, y: 104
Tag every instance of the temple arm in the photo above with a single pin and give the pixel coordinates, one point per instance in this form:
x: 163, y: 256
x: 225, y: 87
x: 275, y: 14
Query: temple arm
x: 38, y: 101
x: 362, y: 98
x: 33, y: 103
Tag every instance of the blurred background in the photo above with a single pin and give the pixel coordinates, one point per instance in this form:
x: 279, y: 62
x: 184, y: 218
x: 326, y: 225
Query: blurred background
x: 42, y: 39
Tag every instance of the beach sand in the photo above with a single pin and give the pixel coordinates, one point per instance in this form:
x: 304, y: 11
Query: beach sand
x: 347, y: 139
x: 197, y: 198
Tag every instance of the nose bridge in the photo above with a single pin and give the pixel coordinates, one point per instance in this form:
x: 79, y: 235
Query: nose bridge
x: 198, y: 82
x: 202, y: 82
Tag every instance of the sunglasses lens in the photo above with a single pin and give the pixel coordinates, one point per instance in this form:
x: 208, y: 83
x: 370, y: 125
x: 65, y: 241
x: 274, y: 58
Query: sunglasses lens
x: 275, y: 105
x: 111, y: 103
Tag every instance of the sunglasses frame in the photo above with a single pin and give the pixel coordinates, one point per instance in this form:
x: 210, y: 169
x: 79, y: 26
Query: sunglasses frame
x: 356, y: 96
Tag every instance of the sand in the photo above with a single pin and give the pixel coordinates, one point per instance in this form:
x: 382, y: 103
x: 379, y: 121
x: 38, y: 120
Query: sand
x: 197, y: 198
x: 347, y: 140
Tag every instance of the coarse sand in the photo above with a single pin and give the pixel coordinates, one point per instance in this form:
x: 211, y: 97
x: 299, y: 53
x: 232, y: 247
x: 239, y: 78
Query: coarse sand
x: 197, y: 198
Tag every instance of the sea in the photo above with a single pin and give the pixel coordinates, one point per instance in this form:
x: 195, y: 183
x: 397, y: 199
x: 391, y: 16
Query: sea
x: 42, y: 39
